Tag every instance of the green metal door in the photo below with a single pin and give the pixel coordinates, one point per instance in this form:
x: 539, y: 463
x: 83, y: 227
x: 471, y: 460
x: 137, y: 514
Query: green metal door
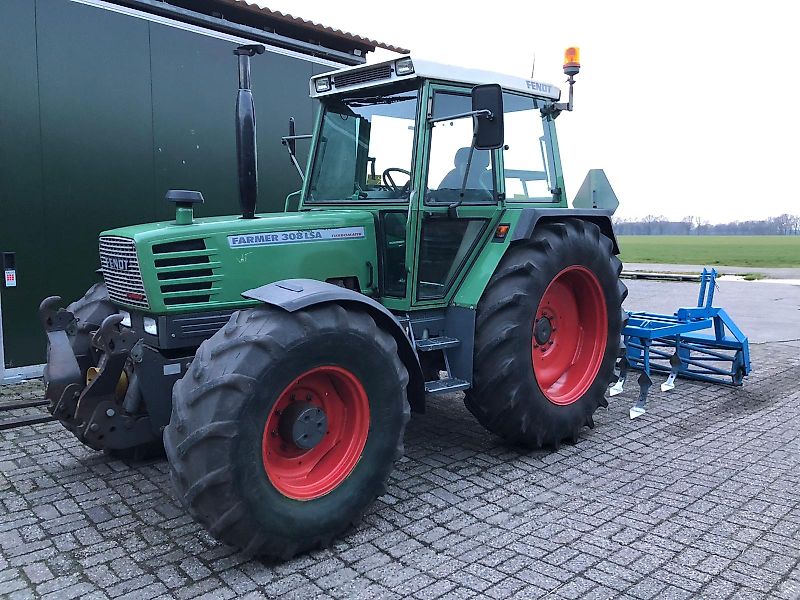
x: 460, y: 204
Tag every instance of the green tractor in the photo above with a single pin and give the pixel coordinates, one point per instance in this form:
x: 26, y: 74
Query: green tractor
x: 278, y: 356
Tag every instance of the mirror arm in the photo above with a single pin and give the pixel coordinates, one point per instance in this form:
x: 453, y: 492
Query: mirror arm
x: 473, y: 113
x: 287, y: 141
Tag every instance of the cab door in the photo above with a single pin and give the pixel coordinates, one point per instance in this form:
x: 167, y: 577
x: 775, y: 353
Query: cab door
x: 459, y: 200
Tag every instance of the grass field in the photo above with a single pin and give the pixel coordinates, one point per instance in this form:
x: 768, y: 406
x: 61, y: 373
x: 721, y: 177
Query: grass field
x: 734, y: 250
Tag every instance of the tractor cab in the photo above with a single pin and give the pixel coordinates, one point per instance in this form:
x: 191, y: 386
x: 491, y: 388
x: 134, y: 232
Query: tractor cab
x: 436, y: 153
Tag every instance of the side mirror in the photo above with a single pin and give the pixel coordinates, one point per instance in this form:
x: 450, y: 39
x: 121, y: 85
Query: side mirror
x: 488, y: 129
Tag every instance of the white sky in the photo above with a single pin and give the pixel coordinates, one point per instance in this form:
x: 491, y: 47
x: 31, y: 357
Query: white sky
x: 691, y: 107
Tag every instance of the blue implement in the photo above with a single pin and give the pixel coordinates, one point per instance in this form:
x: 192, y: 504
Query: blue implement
x: 700, y: 342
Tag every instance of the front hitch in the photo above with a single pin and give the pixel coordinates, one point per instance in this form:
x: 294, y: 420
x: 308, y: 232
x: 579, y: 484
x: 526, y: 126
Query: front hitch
x: 88, y: 399
x: 99, y: 410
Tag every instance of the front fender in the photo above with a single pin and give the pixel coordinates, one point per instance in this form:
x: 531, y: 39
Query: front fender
x: 296, y: 294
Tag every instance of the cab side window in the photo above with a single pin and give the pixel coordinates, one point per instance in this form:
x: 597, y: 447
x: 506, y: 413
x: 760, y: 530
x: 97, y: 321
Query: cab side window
x: 451, y: 162
x: 526, y: 157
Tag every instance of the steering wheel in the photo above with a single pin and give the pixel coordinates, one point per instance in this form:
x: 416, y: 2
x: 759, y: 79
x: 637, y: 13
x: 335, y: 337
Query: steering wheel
x: 387, y: 178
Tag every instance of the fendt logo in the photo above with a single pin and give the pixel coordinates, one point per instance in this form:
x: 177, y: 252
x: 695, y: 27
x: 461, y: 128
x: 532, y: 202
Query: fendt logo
x: 118, y: 264
x: 538, y: 87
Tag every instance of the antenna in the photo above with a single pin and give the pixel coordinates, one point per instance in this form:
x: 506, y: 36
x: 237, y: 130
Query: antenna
x: 533, y: 65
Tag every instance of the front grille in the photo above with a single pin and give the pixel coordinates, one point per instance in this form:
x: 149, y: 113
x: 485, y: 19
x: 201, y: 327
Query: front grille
x: 185, y: 272
x: 362, y: 76
x: 120, y: 266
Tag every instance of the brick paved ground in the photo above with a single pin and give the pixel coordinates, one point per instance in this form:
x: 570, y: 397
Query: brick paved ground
x: 699, y: 498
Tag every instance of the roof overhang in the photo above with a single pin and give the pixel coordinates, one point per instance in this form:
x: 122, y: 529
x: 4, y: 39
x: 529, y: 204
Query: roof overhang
x: 311, y: 26
x: 249, y: 20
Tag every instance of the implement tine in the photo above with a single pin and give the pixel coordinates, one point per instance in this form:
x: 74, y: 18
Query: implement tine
x: 624, y: 366
x: 638, y: 409
x: 675, y: 363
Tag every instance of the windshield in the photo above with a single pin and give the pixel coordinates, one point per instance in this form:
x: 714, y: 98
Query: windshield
x: 364, y: 148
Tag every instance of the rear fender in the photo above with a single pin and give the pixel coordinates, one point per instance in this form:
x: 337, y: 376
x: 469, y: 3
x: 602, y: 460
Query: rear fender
x: 296, y: 294
x: 531, y: 217
x: 471, y: 290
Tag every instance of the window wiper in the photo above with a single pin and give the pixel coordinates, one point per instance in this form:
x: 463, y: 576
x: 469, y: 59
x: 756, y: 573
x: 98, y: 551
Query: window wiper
x: 358, y: 102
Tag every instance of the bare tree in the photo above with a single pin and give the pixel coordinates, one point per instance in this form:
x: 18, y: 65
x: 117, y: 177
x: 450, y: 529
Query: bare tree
x: 784, y: 224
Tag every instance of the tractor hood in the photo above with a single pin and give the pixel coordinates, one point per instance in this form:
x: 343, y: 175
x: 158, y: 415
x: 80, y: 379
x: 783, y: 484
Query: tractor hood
x: 164, y: 268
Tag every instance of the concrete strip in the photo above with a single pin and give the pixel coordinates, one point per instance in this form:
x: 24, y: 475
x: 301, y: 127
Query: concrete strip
x: 771, y: 272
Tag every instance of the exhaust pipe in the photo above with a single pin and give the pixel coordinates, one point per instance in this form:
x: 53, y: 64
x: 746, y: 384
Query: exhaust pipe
x: 247, y: 161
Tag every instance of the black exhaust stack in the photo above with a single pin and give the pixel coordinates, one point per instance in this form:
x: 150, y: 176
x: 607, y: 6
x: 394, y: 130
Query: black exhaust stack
x: 246, y: 133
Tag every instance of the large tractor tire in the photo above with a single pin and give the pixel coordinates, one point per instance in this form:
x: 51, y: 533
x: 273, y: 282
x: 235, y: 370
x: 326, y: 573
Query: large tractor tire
x: 286, y: 426
x: 547, y: 335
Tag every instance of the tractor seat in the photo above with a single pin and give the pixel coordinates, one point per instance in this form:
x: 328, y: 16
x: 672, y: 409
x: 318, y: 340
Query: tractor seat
x: 479, y: 178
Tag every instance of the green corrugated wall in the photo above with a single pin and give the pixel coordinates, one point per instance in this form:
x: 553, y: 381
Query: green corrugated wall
x: 100, y: 114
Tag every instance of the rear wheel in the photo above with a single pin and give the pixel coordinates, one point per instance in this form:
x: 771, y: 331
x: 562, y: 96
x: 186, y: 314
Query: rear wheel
x: 547, y: 335
x: 286, y: 427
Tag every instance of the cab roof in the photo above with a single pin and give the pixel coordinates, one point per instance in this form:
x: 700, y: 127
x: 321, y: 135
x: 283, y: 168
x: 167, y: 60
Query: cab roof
x: 367, y: 76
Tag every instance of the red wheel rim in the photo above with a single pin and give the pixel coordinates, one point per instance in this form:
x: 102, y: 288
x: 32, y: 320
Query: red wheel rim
x: 568, y: 346
x: 305, y: 474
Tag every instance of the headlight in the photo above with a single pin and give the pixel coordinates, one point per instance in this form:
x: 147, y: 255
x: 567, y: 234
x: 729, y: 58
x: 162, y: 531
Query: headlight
x: 126, y: 318
x: 323, y: 84
x: 403, y: 66
x: 150, y: 325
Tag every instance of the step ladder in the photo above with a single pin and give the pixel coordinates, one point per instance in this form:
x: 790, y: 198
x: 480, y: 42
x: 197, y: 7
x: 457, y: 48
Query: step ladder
x: 448, y: 383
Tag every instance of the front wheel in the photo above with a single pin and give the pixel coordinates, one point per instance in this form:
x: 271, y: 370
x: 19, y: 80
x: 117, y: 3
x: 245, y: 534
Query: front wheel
x: 286, y: 426
x: 547, y: 335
